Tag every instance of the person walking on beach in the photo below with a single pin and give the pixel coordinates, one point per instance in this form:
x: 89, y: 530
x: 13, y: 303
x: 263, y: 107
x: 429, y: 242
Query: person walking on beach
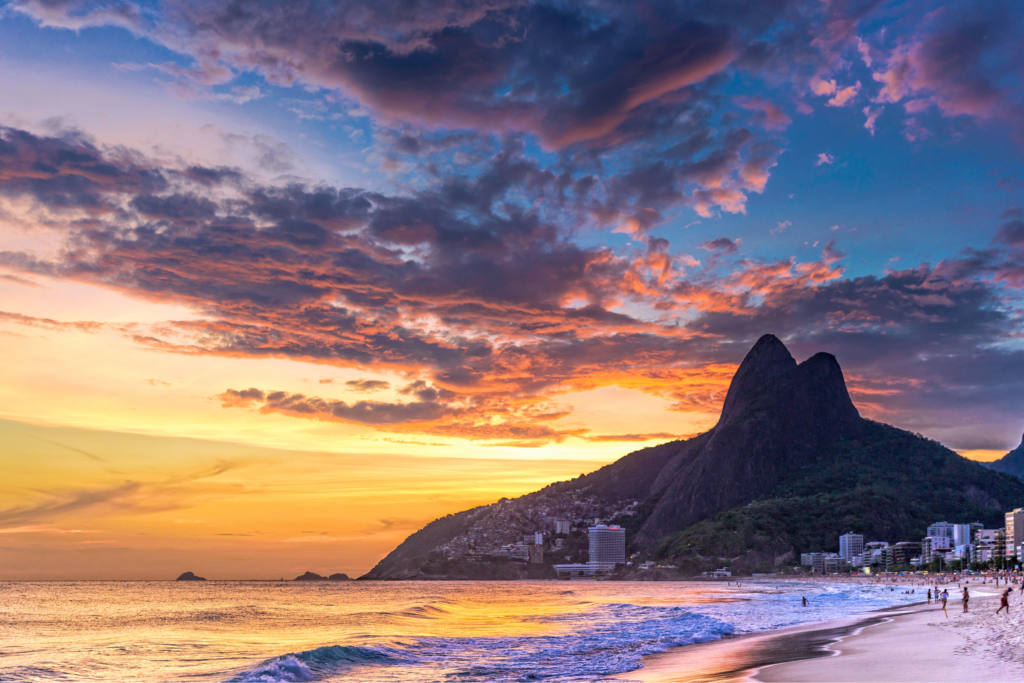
x: 945, y: 596
x: 1004, y: 602
x: 805, y: 602
x: 965, y: 599
x: 929, y: 595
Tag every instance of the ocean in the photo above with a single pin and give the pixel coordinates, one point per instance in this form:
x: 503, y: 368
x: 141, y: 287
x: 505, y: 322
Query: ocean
x: 554, y: 631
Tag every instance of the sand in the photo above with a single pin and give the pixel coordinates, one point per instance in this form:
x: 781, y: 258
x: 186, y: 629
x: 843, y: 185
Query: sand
x: 907, y: 644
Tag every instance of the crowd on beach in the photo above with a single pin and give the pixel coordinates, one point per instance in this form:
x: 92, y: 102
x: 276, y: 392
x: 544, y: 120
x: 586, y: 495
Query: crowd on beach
x: 938, y: 588
x: 1011, y: 581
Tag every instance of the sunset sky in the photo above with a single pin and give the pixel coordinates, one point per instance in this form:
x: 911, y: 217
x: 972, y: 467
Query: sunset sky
x: 280, y: 283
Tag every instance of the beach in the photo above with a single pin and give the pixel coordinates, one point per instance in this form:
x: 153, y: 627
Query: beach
x: 909, y: 643
x: 392, y: 631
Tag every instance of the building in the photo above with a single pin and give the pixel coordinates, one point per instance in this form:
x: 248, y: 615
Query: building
x: 820, y: 562
x: 833, y: 564
x: 562, y: 526
x: 935, y: 547
x: 1014, y: 531
x: 518, y: 551
x: 850, y: 544
x: 810, y: 559
x: 537, y: 554
x: 607, y: 547
x: 988, y: 545
x: 962, y: 533
x: 900, y: 554
x: 538, y: 538
x: 944, y: 529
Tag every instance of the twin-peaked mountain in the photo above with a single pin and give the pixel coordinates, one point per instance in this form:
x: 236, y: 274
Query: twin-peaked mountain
x: 789, y: 466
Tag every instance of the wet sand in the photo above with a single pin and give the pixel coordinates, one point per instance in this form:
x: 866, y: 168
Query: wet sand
x: 907, y: 644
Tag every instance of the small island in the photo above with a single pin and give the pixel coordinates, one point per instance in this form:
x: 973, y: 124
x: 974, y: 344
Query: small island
x: 311, y: 576
x: 189, y: 576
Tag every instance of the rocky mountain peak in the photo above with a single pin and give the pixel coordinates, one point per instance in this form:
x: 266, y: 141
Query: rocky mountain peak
x: 767, y: 360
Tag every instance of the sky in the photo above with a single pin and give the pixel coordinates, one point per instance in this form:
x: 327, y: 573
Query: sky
x: 282, y: 282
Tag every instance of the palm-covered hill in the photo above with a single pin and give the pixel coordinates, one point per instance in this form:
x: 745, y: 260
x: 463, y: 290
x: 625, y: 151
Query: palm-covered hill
x: 790, y: 466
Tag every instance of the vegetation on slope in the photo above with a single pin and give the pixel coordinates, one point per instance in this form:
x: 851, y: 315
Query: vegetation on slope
x: 889, y: 485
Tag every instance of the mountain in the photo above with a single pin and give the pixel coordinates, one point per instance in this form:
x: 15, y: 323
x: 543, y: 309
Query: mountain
x: 789, y: 466
x: 1012, y: 463
x: 310, y: 576
x: 777, y: 418
x: 189, y: 576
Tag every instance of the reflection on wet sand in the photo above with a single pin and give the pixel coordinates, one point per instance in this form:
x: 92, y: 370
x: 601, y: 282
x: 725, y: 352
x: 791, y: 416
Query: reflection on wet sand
x: 739, y: 658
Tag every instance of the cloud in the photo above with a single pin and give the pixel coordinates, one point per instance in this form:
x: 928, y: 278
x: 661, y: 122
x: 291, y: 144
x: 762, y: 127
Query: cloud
x: 140, y: 497
x: 822, y: 87
x: 361, y: 412
x: 958, y: 63
x: 1011, y: 233
x: 233, y: 398
x: 242, y: 94
x: 781, y: 227
x: 824, y: 158
x: 872, y: 116
x: 476, y: 283
x: 367, y: 384
x: 656, y: 436
x: 767, y: 115
x: 723, y: 244
x: 844, y: 96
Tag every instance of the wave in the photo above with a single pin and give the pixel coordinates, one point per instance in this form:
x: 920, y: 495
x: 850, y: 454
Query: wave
x: 311, y: 665
x: 428, y: 611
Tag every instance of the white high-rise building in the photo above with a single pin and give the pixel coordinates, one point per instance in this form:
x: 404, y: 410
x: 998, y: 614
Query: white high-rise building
x: 562, y: 526
x: 850, y: 544
x: 1014, y: 531
x: 607, y: 547
x: 961, y: 534
x: 538, y: 538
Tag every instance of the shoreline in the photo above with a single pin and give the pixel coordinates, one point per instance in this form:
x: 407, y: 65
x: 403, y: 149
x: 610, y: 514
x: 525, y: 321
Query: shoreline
x: 908, y: 643
x: 739, y: 658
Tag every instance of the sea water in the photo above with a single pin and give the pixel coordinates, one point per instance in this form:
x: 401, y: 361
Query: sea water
x: 387, y: 631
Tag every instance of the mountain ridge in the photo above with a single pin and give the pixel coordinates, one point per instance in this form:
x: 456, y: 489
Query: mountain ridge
x: 1012, y: 463
x: 700, y: 500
